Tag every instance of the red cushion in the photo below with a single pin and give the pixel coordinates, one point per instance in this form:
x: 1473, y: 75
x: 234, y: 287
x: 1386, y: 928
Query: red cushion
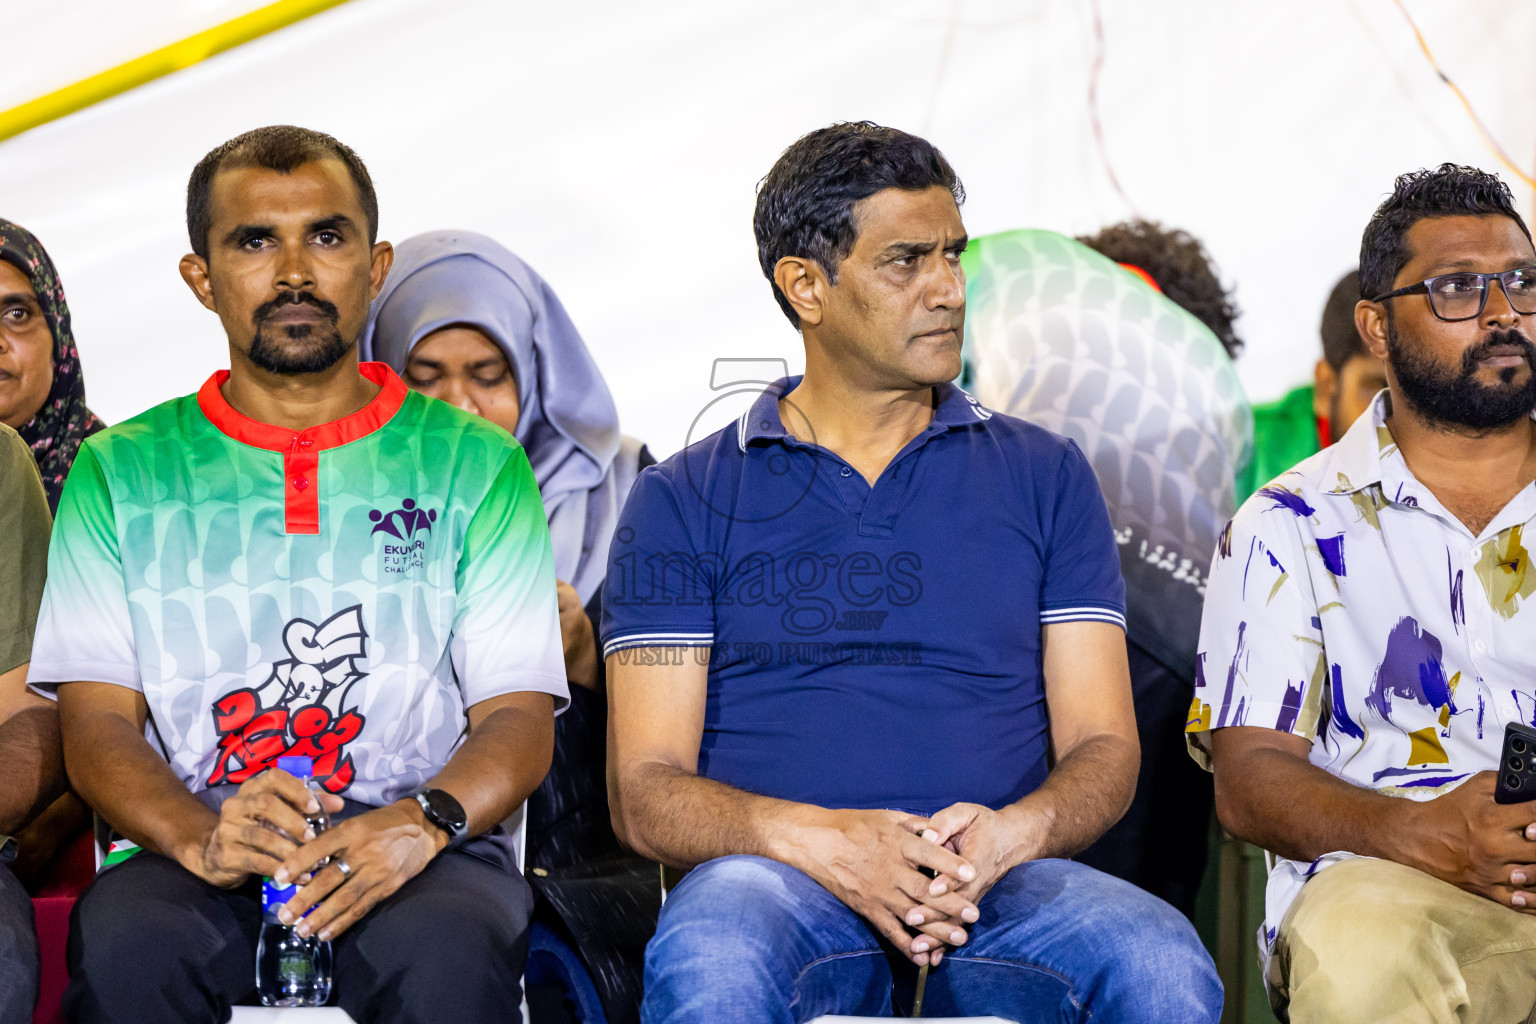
x: 72, y: 869
x: 52, y: 916
x: 53, y: 899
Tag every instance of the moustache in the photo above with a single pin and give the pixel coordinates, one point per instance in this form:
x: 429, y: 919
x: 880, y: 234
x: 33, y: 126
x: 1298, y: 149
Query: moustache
x: 1498, y: 339
x: 266, y: 309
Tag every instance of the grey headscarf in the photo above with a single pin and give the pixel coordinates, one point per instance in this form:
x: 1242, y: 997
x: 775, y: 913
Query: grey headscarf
x: 569, y: 424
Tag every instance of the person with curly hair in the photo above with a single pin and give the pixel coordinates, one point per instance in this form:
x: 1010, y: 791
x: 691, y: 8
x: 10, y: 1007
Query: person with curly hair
x: 1175, y: 263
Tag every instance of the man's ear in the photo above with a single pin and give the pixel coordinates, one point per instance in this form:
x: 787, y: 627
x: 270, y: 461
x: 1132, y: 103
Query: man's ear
x: 804, y: 285
x: 378, y: 271
x: 1325, y: 384
x: 194, y: 271
x: 1371, y: 322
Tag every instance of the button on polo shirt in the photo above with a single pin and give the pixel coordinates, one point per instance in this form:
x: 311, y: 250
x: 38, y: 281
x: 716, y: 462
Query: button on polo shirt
x: 868, y: 646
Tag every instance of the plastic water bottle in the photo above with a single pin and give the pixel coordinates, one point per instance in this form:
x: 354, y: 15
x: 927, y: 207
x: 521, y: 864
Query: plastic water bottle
x: 290, y: 970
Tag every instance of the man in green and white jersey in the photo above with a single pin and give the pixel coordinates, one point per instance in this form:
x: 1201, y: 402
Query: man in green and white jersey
x: 303, y: 558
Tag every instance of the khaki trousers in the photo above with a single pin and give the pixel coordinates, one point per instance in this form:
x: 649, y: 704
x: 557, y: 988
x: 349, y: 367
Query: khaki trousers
x: 1371, y: 940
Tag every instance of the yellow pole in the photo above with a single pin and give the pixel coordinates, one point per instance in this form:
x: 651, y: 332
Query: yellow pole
x: 161, y: 62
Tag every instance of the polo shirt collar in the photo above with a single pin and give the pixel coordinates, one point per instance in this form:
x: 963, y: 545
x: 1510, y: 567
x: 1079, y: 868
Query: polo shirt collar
x: 242, y: 428
x: 953, y: 408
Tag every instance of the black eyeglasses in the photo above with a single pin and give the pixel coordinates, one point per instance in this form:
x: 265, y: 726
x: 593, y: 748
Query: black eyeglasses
x: 1462, y: 296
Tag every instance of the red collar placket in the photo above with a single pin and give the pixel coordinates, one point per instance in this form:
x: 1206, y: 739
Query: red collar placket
x: 301, y: 495
x: 301, y: 449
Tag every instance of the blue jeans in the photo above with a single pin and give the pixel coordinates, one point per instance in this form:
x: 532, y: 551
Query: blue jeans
x: 749, y: 939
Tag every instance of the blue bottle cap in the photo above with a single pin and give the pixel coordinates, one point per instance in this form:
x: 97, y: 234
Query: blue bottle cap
x: 297, y: 765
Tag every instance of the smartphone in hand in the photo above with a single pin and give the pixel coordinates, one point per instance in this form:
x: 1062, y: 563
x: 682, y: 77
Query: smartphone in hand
x: 1517, y: 765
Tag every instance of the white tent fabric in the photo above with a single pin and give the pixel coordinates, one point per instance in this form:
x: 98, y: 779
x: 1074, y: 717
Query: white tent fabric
x: 616, y: 146
x: 68, y: 41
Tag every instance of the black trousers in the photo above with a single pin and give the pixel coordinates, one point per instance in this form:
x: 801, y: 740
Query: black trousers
x: 1160, y: 844
x: 151, y: 942
x: 18, y: 952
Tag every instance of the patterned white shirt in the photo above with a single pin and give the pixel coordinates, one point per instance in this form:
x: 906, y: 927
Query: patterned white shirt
x: 1348, y: 606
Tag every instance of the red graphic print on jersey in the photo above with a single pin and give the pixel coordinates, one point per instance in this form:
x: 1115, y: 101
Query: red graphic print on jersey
x: 300, y: 709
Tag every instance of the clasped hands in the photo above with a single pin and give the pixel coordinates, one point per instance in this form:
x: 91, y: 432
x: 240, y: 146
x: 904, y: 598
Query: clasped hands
x: 262, y: 831
x: 874, y: 862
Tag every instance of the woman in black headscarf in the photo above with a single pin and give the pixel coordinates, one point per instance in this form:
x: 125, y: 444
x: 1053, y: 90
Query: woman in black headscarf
x: 42, y: 397
x: 55, y: 421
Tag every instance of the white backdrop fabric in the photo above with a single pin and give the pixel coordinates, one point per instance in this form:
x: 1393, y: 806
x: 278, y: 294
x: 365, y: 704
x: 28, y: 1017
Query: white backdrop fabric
x: 616, y: 146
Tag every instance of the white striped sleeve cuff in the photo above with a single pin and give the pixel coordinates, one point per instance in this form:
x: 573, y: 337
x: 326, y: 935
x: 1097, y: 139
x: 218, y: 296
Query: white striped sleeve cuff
x: 1084, y: 613
x: 627, y: 640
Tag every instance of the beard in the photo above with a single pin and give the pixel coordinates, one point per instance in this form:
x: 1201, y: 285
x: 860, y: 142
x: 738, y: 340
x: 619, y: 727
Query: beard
x: 292, y: 349
x: 1456, y: 398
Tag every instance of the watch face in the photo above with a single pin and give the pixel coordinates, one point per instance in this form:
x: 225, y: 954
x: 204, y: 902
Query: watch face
x: 446, y: 809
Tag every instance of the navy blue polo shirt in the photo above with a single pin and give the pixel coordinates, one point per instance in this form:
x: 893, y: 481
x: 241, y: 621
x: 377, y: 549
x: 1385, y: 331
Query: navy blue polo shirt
x: 867, y: 646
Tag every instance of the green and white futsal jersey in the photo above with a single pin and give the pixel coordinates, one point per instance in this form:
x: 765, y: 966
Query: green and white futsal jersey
x: 343, y: 592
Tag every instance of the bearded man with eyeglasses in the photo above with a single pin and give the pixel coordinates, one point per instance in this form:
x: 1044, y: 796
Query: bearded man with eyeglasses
x: 1369, y: 631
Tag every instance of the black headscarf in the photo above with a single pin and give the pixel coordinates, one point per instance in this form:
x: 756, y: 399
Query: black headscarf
x: 54, y: 433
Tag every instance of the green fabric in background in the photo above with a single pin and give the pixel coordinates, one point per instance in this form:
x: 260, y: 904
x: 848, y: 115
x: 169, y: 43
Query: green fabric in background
x: 1284, y: 433
x: 25, y: 525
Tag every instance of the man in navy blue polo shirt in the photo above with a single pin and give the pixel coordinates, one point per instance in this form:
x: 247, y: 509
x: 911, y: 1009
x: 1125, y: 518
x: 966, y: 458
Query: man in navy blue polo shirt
x: 873, y: 633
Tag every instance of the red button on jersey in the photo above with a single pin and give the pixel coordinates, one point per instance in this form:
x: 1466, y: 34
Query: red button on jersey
x: 301, y: 452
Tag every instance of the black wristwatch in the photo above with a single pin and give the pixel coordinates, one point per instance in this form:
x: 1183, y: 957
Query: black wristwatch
x: 443, y: 811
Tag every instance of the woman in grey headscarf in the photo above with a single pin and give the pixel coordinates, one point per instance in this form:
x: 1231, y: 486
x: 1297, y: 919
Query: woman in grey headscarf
x: 449, y: 286
x: 464, y: 320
